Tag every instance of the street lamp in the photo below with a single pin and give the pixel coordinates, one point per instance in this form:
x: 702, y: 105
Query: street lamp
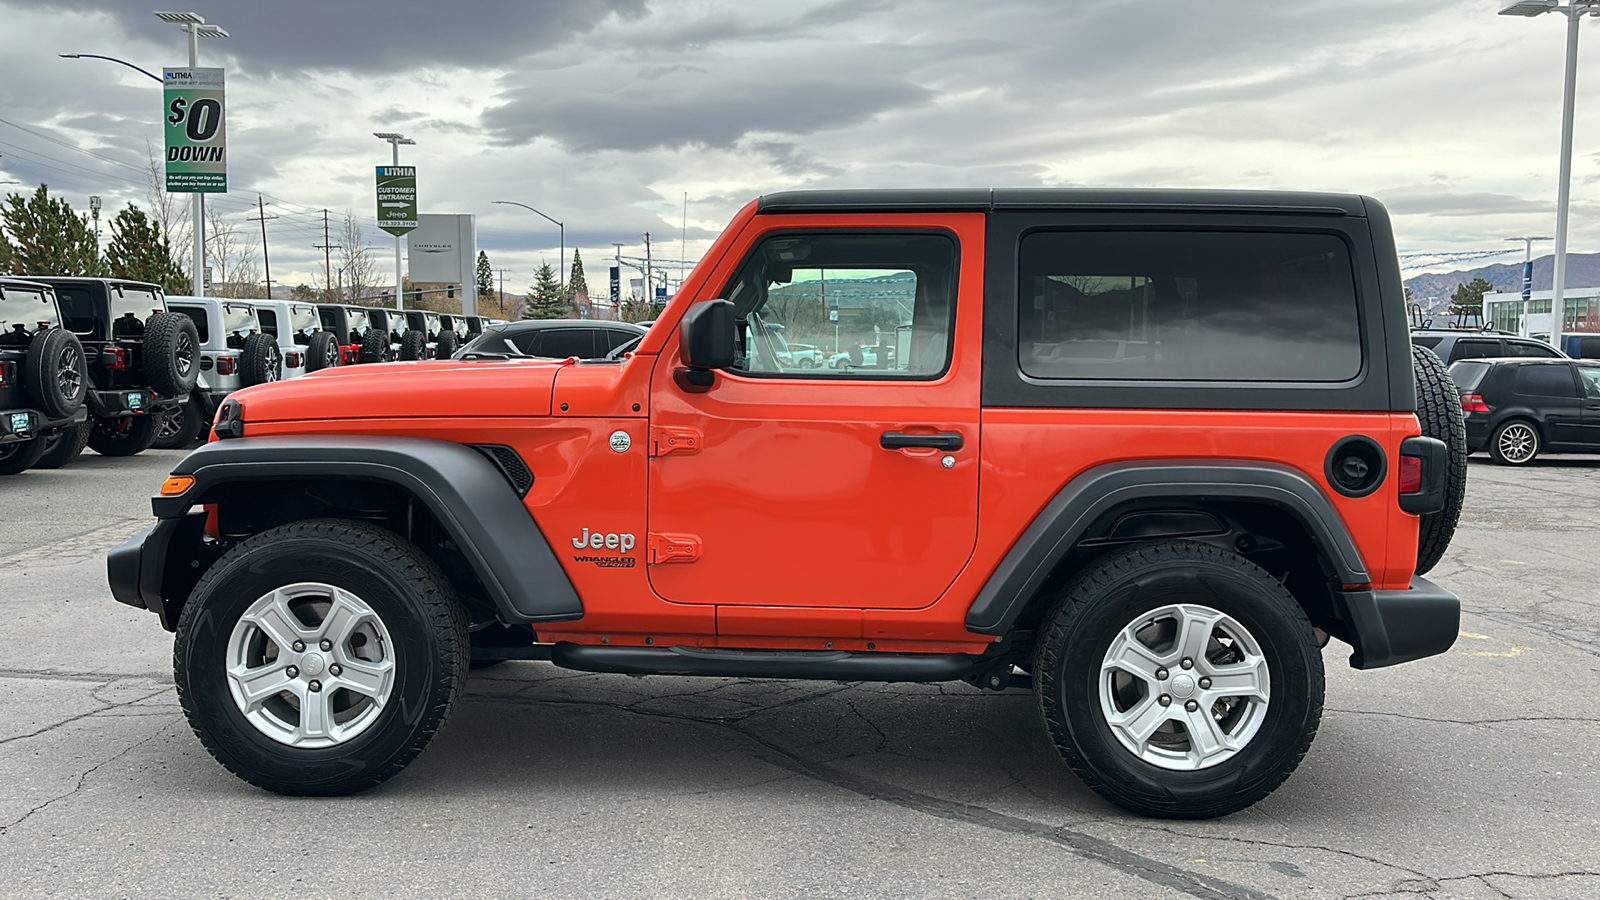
x: 563, y: 266
x: 141, y: 71
x: 194, y: 25
x: 1574, y: 10
x: 395, y: 140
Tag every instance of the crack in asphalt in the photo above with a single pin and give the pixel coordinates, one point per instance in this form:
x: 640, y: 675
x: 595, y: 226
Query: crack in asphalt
x: 1080, y: 844
x: 1466, y: 722
x: 1426, y: 885
x: 84, y: 777
x: 92, y: 713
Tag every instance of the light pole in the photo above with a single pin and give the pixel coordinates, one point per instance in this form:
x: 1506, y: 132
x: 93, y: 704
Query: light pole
x: 1574, y: 10
x: 563, y: 266
x: 124, y: 62
x: 395, y: 140
x: 1527, y: 276
x: 194, y: 25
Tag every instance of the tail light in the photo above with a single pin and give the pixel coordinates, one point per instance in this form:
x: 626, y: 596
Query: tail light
x: 1410, y: 474
x: 292, y: 360
x: 227, y: 365
x: 114, y: 358
x: 1473, y: 403
x: 5, y: 374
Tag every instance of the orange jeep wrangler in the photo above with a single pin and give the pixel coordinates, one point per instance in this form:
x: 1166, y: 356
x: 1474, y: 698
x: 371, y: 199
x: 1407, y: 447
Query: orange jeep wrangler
x: 1145, y: 451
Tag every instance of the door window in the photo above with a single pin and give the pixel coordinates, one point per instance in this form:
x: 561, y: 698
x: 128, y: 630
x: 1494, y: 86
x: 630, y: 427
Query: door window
x: 1590, y: 376
x: 1530, y: 349
x: 857, y: 305
x: 1546, y: 381
x: 560, y: 343
x: 1474, y: 350
x: 614, y: 338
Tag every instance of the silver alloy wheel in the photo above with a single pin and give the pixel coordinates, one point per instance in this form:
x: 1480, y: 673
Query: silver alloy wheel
x: 1184, y: 687
x: 310, y: 685
x: 67, y: 377
x: 1518, y: 442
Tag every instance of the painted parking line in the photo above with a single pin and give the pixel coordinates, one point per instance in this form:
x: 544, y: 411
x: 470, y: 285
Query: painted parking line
x: 1502, y: 649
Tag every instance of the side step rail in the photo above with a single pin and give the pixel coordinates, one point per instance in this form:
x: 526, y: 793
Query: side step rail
x: 827, y: 666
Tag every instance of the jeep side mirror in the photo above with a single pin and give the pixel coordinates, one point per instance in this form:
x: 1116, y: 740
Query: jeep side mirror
x: 705, y: 344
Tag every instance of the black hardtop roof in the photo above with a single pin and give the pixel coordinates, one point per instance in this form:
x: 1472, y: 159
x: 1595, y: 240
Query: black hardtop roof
x: 29, y: 284
x: 1110, y: 199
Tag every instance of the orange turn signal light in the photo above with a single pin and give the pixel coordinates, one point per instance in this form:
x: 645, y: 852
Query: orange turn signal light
x: 176, y: 485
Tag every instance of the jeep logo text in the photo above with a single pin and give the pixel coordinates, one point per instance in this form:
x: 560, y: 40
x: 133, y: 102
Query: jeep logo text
x: 597, y: 541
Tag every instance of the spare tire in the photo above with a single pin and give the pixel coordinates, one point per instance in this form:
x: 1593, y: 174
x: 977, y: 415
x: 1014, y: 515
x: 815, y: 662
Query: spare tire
x: 322, y: 352
x: 1439, y: 411
x: 375, y: 346
x: 447, y: 346
x: 171, y: 353
x: 414, y: 345
x: 260, y: 362
x: 55, y: 373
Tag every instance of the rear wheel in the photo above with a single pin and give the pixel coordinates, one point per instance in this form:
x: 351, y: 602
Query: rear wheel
x: 320, y: 657
x: 1179, y: 680
x: 64, y: 446
x: 180, y: 427
x: 124, y: 436
x: 1515, y: 443
x: 21, y: 455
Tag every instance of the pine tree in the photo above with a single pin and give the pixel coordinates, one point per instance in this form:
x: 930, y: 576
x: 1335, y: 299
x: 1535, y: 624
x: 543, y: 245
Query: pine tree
x: 46, y: 238
x: 485, y: 277
x: 139, y: 251
x: 1467, y: 300
x: 578, y: 287
x: 547, y: 298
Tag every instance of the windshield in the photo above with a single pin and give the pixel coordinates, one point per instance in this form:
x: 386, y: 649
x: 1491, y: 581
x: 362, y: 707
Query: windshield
x: 302, y: 319
x: 21, y: 311
x: 238, y: 317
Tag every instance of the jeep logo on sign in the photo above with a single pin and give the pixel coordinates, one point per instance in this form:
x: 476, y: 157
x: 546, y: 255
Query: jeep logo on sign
x: 597, y: 541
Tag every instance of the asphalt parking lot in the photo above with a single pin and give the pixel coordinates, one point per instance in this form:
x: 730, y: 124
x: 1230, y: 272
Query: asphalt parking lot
x: 1472, y: 775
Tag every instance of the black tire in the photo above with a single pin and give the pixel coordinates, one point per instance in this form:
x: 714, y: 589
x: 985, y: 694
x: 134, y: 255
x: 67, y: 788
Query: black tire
x: 404, y: 588
x: 375, y: 346
x: 1530, y: 438
x: 180, y: 427
x: 447, y: 346
x: 1439, y: 411
x: 21, y: 455
x: 1109, y: 597
x: 125, y: 436
x: 64, y: 446
x: 414, y: 346
x: 55, y: 373
x: 171, y: 353
x: 322, y: 352
x: 260, y: 362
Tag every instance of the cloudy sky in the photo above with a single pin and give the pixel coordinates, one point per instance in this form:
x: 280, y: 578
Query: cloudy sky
x: 605, y: 113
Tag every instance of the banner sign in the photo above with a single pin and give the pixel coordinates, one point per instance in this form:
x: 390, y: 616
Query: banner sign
x: 397, y: 199
x: 444, y: 250
x: 616, y: 286
x: 1527, y: 281
x: 197, y: 145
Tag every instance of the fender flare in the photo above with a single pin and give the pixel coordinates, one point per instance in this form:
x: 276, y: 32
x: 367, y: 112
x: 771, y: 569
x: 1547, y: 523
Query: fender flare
x: 464, y: 490
x: 1063, y: 521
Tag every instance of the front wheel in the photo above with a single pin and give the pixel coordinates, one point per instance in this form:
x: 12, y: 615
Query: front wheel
x: 1515, y: 443
x: 320, y: 657
x: 1179, y: 680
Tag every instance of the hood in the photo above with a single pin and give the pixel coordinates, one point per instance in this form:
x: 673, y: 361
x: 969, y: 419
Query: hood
x: 407, y: 390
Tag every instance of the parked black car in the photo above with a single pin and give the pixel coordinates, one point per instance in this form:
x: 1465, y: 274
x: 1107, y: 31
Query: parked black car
x: 553, y: 338
x: 43, y: 378
x: 142, y: 359
x: 1472, y: 343
x: 1519, y: 408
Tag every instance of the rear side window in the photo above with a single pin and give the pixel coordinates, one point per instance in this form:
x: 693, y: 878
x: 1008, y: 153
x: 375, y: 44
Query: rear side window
x: 1474, y: 349
x: 1188, y: 306
x: 141, y: 304
x: 1468, y: 375
x: 1530, y: 349
x: 1546, y: 381
x: 560, y: 343
x: 77, y: 305
x: 269, y: 320
x: 198, y: 315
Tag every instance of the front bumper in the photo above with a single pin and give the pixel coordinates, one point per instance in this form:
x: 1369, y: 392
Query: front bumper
x: 137, y: 568
x: 1391, y: 627
x: 119, y: 404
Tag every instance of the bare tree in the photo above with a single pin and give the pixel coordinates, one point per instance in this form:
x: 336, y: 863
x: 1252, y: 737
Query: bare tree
x: 171, y: 212
x: 233, y: 254
x: 358, y: 264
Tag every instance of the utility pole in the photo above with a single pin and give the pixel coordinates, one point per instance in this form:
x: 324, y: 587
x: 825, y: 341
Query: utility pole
x: 266, y: 261
x: 649, y: 278
x: 500, y: 301
x: 683, y: 240
x: 327, y: 253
